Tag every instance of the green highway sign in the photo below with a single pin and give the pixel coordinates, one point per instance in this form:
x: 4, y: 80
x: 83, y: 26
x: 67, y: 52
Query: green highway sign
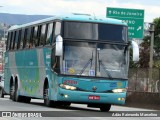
x: 133, y: 17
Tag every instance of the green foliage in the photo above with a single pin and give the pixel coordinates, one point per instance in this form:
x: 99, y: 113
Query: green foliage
x: 143, y: 55
x: 156, y: 22
x: 144, y: 52
x: 145, y: 48
x: 157, y: 64
x: 131, y: 63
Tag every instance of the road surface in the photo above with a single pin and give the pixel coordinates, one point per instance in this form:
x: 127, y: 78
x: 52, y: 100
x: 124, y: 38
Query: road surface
x: 75, y: 111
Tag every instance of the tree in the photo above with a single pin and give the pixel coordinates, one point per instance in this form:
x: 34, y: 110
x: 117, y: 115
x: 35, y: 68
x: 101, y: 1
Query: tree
x: 145, y: 48
x: 144, y: 52
x: 156, y: 22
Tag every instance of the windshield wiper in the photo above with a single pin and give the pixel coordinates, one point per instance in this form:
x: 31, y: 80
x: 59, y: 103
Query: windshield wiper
x: 104, y: 67
x: 86, y: 65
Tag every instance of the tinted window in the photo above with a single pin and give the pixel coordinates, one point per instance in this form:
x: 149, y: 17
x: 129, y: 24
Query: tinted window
x: 35, y: 36
x: 32, y: 42
x: 57, y: 30
x: 13, y: 40
x: 80, y: 30
x: 10, y: 44
x: 27, y: 37
x: 112, y: 32
x: 8, y: 41
x: 49, y: 34
x: 95, y: 31
x: 42, y: 35
x: 22, y: 38
x: 19, y: 39
x: 16, y: 39
x: 38, y: 35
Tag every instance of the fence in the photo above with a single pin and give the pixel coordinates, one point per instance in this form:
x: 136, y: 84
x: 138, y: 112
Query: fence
x: 139, y: 80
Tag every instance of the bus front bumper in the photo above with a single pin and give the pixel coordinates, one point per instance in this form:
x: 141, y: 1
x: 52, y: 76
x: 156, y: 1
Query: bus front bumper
x: 91, y: 97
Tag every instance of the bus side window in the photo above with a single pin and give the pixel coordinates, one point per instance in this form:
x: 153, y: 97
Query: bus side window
x: 16, y: 39
x: 22, y: 38
x: 49, y: 34
x: 55, y: 61
x: 35, y: 36
x: 8, y: 40
x: 25, y: 38
x: 19, y: 39
x: 28, y: 36
x: 10, y: 43
x: 39, y: 34
x: 32, y: 42
x: 42, y: 35
x: 57, y: 31
x: 13, y: 41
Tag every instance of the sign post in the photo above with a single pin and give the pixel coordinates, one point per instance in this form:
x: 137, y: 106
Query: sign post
x: 133, y: 17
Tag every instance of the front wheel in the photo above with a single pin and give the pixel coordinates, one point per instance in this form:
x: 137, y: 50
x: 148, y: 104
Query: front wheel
x: 47, y: 100
x: 26, y: 99
x: 66, y: 104
x: 105, y: 107
x: 1, y: 93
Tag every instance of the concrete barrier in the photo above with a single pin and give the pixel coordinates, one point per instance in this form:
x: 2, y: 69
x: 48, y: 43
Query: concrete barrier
x: 143, y: 100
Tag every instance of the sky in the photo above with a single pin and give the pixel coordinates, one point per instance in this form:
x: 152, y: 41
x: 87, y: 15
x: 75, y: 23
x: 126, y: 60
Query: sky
x: 95, y: 7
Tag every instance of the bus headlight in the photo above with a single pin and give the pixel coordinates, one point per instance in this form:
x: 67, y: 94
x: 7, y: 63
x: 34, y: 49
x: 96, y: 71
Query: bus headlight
x: 119, y: 90
x: 68, y: 87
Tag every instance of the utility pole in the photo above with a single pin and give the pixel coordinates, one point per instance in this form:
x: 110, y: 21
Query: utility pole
x: 151, y: 55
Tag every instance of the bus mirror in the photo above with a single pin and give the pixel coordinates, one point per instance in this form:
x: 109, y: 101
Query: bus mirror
x: 59, y: 46
x: 135, y: 51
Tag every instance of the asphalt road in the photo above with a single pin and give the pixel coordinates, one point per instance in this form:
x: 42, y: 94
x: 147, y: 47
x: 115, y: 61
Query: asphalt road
x: 75, y: 111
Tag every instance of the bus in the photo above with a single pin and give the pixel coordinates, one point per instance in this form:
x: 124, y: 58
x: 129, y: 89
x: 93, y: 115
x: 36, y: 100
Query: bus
x: 77, y: 58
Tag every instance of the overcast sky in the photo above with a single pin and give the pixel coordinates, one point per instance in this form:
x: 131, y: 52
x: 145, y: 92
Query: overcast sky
x: 97, y: 7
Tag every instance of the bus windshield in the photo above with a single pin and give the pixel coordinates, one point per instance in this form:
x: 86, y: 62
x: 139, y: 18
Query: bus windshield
x: 95, y: 31
x: 95, y: 59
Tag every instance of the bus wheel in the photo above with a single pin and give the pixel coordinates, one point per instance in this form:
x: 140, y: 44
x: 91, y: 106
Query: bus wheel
x: 1, y: 93
x: 12, y: 92
x: 18, y: 98
x: 26, y: 99
x: 105, y: 107
x: 47, y: 101
x: 66, y: 104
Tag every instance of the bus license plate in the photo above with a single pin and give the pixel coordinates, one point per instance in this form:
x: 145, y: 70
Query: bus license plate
x: 93, y: 97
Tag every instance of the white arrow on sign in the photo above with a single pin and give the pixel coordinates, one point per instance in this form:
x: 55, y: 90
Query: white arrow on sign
x: 139, y: 28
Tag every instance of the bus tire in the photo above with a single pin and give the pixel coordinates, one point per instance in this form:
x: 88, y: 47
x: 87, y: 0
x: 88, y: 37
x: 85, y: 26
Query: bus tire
x: 26, y: 99
x: 12, y: 92
x: 1, y: 93
x: 47, y: 100
x: 66, y: 104
x: 18, y: 98
x: 105, y: 107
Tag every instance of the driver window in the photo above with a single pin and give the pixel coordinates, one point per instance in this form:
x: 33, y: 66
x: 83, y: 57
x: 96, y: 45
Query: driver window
x: 55, y: 62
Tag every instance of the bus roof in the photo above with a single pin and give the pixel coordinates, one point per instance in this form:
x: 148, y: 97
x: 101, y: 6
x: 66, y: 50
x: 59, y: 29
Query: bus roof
x: 73, y: 17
